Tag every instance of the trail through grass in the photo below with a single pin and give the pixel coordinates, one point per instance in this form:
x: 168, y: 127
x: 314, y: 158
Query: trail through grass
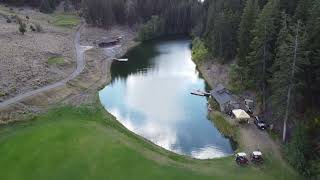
x: 86, y: 143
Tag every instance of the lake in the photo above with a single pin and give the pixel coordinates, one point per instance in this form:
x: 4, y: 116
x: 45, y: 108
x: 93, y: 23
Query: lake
x: 150, y: 95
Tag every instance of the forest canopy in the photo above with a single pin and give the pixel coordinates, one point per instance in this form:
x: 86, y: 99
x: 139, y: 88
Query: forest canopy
x: 175, y: 16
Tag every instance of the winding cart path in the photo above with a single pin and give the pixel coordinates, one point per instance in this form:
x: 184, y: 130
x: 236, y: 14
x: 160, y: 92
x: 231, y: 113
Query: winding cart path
x: 80, y: 64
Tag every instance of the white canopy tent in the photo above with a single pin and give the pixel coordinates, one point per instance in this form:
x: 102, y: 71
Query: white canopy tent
x: 240, y: 114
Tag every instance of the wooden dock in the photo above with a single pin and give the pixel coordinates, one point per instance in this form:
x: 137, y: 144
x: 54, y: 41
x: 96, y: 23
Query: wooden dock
x: 200, y: 93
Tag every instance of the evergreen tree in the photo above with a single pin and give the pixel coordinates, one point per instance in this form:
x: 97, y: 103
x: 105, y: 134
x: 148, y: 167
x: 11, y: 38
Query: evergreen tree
x: 222, y: 28
x: 46, y: 6
x: 313, y: 70
x: 289, y: 6
x: 302, y: 10
x: 289, y: 60
x: 262, y: 47
x: 248, y: 19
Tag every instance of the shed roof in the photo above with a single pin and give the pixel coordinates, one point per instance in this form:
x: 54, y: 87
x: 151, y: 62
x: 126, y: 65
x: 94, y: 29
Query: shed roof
x: 221, y: 94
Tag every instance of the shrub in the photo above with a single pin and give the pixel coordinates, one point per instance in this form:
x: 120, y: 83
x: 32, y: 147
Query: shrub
x: 2, y: 94
x: 236, y: 74
x: 298, y: 149
x: 46, y: 7
x: 32, y: 28
x: 315, y: 169
x: 150, y: 30
x: 199, y: 50
x: 22, y: 25
x: 226, y: 129
x: 38, y: 27
x: 66, y: 6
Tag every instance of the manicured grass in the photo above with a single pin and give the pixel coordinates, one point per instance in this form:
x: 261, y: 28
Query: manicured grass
x: 56, y: 60
x: 66, y: 20
x: 86, y: 143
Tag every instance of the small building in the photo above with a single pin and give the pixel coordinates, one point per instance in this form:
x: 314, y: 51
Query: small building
x: 222, y: 97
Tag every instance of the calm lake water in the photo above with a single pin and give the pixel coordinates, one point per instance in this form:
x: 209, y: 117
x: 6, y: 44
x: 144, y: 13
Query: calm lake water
x: 150, y: 95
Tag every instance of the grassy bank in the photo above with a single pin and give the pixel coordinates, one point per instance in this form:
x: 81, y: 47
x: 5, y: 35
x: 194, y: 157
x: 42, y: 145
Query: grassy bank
x: 227, y: 129
x: 85, y: 143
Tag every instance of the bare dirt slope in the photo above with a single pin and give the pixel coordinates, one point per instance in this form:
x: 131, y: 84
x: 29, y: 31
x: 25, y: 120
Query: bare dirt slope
x: 81, y: 84
x: 24, y: 59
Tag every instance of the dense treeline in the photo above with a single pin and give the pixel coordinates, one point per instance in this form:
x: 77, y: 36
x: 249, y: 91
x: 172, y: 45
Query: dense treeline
x: 276, y: 44
x: 169, y: 16
x: 220, y: 26
x: 45, y: 6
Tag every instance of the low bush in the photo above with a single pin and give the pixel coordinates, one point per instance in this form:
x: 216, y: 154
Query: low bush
x: 236, y: 83
x: 227, y: 129
x: 214, y: 104
x: 199, y: 50
x: 46, y: 6
x: 150, y: 30
x: 22, y: 25
x: 298, y: 149
x: 38, y: 27
x: 32, y: 28
x: 2, y: 94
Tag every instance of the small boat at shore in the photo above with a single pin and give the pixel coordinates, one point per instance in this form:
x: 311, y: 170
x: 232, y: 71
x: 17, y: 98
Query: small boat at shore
x: 122, y: 59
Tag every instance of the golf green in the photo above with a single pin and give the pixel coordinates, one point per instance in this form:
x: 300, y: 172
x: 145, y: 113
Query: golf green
x: 86, y: 143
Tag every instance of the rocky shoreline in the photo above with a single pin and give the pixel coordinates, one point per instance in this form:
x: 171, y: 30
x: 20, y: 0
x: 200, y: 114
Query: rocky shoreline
x: 214, y: 73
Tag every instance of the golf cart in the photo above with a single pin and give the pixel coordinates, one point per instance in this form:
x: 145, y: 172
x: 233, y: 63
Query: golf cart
x: 241, y: 158
x: 256, y: 157
x: 260, y: 123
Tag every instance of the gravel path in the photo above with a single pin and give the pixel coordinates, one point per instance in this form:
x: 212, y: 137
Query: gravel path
x: 80, y: 66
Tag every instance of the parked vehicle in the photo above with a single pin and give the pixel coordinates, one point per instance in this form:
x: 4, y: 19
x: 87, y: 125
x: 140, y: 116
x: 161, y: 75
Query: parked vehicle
x: 260, y: 123
x: 256, y: 157
x: 241, y: 159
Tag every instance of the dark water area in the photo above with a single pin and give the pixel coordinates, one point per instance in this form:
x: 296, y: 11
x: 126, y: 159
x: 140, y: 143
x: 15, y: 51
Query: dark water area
x: 150, y: 95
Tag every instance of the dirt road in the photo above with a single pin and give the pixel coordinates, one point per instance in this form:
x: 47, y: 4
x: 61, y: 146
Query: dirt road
x: 80, y: 63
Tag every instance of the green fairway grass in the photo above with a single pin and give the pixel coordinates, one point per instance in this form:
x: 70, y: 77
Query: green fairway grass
x: 58, y: 60
x: 66, y: 20
x: 86, y: 143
